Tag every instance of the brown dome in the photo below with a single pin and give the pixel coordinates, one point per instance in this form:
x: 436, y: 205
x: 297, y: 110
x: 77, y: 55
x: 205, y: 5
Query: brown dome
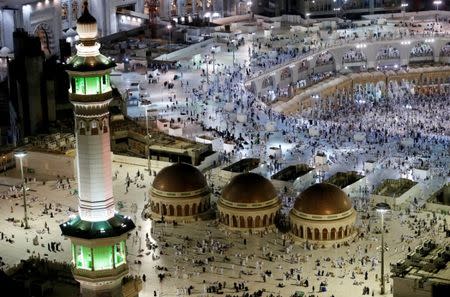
x: 179, y: 177
x: 249, y: 188
x: 323, y: 199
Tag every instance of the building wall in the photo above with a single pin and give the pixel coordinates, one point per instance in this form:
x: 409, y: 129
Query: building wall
x: 47, y: 165
x: 405, y: 287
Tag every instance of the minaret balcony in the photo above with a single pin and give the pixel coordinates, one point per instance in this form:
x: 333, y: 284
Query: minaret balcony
x: 95, y: 98
x: 100, y: 275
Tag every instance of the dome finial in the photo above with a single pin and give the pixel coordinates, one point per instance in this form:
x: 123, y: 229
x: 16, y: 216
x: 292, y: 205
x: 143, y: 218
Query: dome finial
x: 87, y: 27
x: 86, y: 17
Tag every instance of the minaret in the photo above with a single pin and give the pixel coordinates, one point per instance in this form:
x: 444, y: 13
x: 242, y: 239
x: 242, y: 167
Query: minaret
x: 98, y: 234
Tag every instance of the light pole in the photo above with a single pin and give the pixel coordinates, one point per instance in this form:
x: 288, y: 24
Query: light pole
x: 249, y: 6
x: 208, y: 16
x: 147, y: 138
x: 207, y: 68
x: 437, y: 3
x: 336, y: 10
x: 169, y: 28
x: 382, y: 208
x: 233, y: 42
x: 213, y: 52
x: 20, y: 156
x: 403, y: 6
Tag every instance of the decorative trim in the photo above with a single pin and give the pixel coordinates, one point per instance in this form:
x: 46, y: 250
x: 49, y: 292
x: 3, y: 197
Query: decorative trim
x: 315, y: 217
x: 165, y: 194
x: 248, y: 205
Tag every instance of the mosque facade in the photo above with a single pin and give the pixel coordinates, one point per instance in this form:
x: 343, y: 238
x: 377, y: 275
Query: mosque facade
x: 53, y: 20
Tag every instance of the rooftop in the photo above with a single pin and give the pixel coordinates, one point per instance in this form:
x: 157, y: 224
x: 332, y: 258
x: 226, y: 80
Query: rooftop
x: 244, y: 165
x: 442, y: 196
x: 344, y: 179
x: 115, y: 226
x: 394, y: 187
x: 291, y: 173
x: 429, y: 262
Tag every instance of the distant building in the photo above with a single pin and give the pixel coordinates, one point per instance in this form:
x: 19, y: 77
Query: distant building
x: 324, y: 8
x: 37, y: 86
x: 424, y: 273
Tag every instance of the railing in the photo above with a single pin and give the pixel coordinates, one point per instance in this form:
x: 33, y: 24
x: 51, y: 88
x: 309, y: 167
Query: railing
x: 338, y: 43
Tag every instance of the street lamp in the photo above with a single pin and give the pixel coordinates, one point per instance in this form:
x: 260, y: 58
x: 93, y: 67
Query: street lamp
x: 169, y: 28
x: 249, y: 5
x: 207, y: 68
x: 437, y: 3
x: 147, y: 137
x: 336, y: 10
x: 213, y: 52
x: 403, y: 6
x: 382, y: 208
x: 208, y: 16
x: 20, y: 156
x: 233, y: 42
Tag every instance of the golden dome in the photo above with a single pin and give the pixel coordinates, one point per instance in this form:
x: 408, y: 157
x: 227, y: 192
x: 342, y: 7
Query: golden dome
x: 179, y: 177
x: 249, y: 188
x: 323, y: 199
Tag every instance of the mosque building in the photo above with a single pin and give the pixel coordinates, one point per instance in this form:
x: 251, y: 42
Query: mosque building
x: 248, y: 202
x: 323, y: 214
x: 52, y: 20
x: 179, y: 192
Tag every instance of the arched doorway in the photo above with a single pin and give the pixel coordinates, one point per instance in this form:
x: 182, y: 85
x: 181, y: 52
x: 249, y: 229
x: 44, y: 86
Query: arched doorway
x: 235, y: 224
x: 241, y: 222
x: 333, y: 233
x: 309, y: 233
x: 316, y: 234
x: 258, y: 221
x: 249, y: 222
x: 325, y: 234
x: 45, y: 34
x: 179, y: 210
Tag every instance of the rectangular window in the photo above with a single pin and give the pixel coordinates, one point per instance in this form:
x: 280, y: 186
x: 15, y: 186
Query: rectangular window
x: 72, y: 85
x: 106, y: 87
x: 92, y: 85
x: 80, y: 86
x: 119, y: 253
x: 83, y: 257
x: 103, y: 258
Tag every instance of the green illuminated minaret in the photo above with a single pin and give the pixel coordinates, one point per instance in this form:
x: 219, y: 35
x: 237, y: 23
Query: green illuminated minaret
x: 98, y: 233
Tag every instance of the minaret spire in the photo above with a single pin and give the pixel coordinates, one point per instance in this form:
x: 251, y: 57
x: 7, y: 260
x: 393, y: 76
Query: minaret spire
x: 98, y: 233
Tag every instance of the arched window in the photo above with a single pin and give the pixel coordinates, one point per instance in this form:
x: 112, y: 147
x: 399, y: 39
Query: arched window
x: 94, y: 128
x: 249, y: 222
x: 316, y: 234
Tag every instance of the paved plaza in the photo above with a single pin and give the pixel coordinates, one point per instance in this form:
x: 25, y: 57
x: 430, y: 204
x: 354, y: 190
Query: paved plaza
x: 201, y: 258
